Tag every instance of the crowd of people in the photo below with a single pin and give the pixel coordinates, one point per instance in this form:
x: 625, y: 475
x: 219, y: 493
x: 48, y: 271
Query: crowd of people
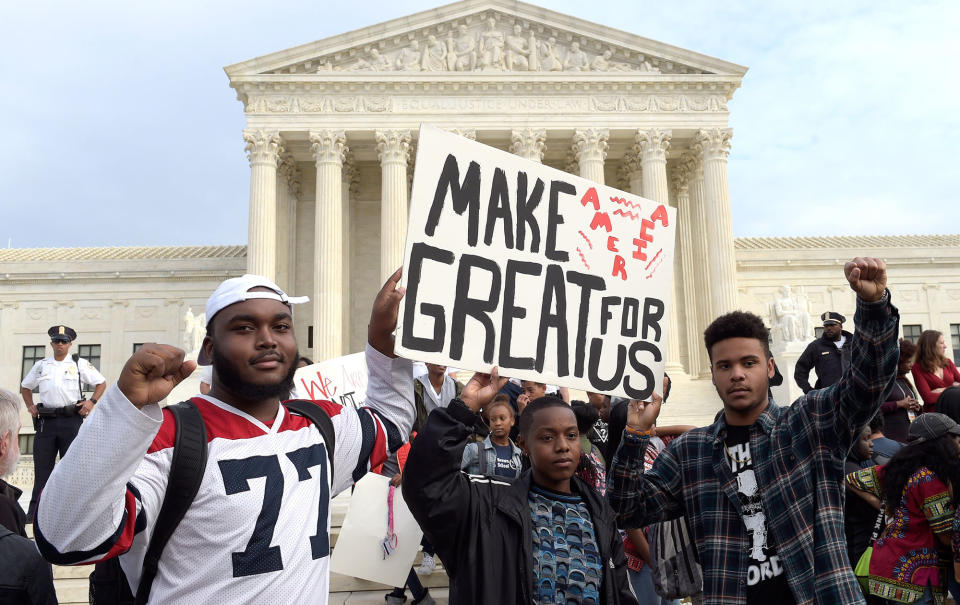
x: 846, y: 495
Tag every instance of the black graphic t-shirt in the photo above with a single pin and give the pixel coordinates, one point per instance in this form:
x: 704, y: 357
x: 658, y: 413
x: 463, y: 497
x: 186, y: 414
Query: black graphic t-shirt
x: 766, y: 578
x: 505, y: 465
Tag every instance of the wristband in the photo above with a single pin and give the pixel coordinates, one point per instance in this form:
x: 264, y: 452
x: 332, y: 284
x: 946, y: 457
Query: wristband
x: 93, y: 400
x: 632, y: 431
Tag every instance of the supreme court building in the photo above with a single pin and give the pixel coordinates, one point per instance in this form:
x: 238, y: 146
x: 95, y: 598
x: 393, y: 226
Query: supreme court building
x: 331, y: 135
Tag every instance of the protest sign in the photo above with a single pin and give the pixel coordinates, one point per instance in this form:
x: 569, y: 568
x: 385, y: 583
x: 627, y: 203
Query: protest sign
x: 342, y: 380
x: 549, y: 276
x: 359, y: 551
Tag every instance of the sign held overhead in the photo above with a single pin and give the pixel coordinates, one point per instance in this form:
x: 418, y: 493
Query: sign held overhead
x: 548, y: 275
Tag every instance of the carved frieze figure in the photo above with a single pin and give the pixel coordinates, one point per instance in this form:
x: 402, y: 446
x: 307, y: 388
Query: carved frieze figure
x: 463, y: 50
x: 326, y: 66
x: 547, y: 59
x: 409, y: 57
x: 518, y: 50
x: 376, y: 62
x: 646, y: 66
x: 601, y: 62
x: 434, y: 55
x: 576, y: 59
x: 491, y: 46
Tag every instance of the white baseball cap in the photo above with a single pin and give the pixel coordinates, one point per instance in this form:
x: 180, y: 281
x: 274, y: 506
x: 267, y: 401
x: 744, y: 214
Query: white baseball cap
x: 237, y: 289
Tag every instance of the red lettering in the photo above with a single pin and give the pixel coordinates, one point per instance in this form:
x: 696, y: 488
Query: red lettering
x: 324, y: 387
x: 644, y: 225
x: 590, y: 197
x: 601, y: 219
x: 612, y: 244
x: 660, y: 214
x: 639, y: 254
x: 620, y: 266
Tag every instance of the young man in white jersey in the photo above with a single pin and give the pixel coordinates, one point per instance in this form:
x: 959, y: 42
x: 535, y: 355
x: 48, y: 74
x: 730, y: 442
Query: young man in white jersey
x: 258, y: 528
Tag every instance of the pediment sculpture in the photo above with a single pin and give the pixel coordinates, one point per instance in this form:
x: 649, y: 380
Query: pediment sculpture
x: 492, y: 44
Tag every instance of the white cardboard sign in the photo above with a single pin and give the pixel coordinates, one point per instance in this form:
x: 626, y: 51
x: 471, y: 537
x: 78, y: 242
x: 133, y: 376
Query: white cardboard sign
x: 358, y: 552
x: 342, y: 380
x: 548, y: 275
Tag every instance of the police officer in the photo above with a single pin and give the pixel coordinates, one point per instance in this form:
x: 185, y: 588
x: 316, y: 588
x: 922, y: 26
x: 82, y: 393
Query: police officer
x: 829, y: 355
x: 61, y: 409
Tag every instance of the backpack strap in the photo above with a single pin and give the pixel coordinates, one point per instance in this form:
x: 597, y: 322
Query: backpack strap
x: 186, y: 473
x: 319, y: 417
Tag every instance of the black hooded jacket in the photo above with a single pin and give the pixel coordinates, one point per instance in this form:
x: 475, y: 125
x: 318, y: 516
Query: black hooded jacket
x: 481, y: 526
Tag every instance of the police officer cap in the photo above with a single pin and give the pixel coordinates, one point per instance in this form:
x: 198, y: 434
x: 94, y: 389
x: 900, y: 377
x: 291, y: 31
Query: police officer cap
x: 832, y: 317
x: 62, y: 333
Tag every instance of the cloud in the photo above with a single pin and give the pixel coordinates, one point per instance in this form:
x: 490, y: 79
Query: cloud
x: 122, y: 126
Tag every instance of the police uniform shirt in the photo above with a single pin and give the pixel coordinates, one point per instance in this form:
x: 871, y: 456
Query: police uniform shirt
x: 59, y: 386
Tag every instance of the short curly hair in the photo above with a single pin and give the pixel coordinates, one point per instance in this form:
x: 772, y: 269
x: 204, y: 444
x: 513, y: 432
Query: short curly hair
x: 737, y: 324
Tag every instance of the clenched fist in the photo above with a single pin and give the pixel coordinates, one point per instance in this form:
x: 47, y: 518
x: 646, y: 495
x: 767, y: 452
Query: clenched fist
x: 867, y: 277
x: 152, y: 372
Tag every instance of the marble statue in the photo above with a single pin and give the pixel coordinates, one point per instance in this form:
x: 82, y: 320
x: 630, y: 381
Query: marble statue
x: 576, y: 59
x: 434, y: 55
x: 547, y: 59
x: 462, y: 51
x: 194, y: 330
x: 517, y: 51
x: 409, y: 57
x: 790, y: 317
x: 376, y: 62
x: 491, y: 46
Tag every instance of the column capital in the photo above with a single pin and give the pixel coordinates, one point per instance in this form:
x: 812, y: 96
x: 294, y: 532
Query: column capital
x: 263, y: 146
x: 328, y: 146
x: 714, y: 143
x: 680, y: 175
x: 652, y: 144
x: 393, y: 145
x: 529, y: 143
x: 591, y: 144
x: 469, y: 133
x: 570, y: 164
x: 290, y: 174
x: 692, y: 163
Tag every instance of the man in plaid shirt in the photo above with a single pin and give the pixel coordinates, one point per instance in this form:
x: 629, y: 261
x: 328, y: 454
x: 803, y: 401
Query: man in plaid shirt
x: 762, y: 487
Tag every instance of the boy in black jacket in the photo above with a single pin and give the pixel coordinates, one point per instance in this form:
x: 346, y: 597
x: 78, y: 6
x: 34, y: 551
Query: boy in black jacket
x: 547, y: 538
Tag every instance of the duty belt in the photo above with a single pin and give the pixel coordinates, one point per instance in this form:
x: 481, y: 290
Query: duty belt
x: 67, y: 410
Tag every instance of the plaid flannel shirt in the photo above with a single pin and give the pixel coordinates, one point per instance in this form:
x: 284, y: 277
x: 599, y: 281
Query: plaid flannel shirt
x: 798, y: 453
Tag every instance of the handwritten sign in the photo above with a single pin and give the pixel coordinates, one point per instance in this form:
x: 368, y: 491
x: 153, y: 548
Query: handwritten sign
x: 342, y: 380
x: 550, y: 276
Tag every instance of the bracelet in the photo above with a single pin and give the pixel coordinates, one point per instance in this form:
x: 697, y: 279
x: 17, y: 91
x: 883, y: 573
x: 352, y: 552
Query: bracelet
x: 93, y: 400
x: 636, y: 433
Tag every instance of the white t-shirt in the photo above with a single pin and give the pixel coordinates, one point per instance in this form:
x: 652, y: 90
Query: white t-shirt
x: 59, y: 381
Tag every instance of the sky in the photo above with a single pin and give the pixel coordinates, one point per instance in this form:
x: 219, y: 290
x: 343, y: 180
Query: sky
x: 120, y: 128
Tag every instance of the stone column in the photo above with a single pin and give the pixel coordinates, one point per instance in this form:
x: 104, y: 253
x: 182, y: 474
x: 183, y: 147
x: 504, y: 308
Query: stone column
x: 329, y: 148
x: 685, y: 225
x: 632, y: 173
x: 700, y: 276
x: 349, y: 186
x: 529, y: 143
x: 286, y: 222
x: 714, y: 145
x: 263, y: 150
x: 651, y: 147
x: 590, y: 149
x: 393, y: 147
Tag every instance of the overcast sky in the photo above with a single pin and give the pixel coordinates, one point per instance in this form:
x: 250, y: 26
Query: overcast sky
x: 119, y: 126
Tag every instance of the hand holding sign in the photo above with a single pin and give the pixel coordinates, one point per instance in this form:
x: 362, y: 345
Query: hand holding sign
x: 383, y: 317
x: 642, y: 415
x: 482, y: 388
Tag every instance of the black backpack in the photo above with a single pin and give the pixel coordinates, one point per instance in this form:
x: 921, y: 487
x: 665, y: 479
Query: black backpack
x: 108, y: 584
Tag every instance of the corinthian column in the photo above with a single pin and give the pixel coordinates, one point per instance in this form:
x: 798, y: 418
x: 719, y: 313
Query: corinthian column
x: 590, y: 149
x: 529, y: 143
x: 700, y: 253
x: 348, y: 190
x: 287, y: 193
x: 685, y: 222
x: 632, y: 172
x: 714, y: 146
x: 263, y: 150
x: 393, y: 147
x: 651, y: 147
x: 329, y: 149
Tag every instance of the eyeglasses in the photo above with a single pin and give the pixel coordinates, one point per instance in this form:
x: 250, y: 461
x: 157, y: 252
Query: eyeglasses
x: 60, y: 341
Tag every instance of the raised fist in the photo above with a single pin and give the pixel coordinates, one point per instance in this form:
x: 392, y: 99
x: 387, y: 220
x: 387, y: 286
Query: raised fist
x: 152, y: 372
x: 867, y: 277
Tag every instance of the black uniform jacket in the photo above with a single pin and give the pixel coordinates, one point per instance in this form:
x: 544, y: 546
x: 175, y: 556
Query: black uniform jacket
x: 481, y: 527
x: 829, y: 362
